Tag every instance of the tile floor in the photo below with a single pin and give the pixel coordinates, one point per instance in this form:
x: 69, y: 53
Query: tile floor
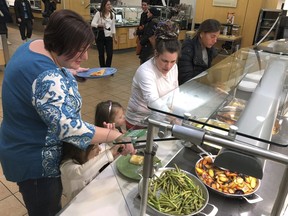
x: 93, y: 91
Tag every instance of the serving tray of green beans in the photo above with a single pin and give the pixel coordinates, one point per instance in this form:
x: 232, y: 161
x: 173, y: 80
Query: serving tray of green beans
x: 173, y: 191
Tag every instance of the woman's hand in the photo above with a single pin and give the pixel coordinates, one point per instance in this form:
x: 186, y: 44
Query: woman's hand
x: 79, y: 70
x: 115, y: 40
x: 141, y: 27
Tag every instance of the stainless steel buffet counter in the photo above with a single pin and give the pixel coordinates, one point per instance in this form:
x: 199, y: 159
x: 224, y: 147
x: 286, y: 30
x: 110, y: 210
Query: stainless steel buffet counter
x: 255, y: 142
x: 112, y: 194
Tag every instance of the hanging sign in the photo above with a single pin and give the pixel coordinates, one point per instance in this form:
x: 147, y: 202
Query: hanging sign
x: 225, y: 3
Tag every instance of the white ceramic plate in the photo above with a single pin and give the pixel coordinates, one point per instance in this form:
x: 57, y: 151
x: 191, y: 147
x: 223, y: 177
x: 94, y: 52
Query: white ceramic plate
x: 255, y: 76
x: 247, y: 86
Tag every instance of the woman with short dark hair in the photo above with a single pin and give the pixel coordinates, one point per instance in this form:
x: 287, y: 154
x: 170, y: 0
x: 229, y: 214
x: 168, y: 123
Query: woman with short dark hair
x: 197, y: 53
x: 42, y: 109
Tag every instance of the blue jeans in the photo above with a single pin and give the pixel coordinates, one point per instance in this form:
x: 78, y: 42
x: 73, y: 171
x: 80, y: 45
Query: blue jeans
x: 42, y: 196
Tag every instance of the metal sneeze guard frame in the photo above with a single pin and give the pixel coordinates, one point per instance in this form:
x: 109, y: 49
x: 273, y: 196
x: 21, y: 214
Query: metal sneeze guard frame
x: 193, y: 134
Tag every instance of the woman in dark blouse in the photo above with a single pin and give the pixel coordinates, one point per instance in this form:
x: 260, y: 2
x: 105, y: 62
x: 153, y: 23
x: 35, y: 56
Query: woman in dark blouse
x: 197, y: 53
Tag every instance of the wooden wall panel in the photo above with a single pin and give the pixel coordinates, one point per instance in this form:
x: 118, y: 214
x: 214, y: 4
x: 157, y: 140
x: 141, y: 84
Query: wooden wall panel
x: 250, y: 22
x: 79, y: 6
x: 220, y: 13
x: 246, y: 15
x: 199, y: 11
x: 270, y: 4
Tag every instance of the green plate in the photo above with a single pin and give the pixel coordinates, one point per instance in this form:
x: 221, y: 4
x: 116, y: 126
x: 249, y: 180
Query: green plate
x: 128, y: 169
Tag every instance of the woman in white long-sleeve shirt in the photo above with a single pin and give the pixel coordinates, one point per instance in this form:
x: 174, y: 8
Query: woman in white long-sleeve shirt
x: 156, y: 77
x: 104, y: 21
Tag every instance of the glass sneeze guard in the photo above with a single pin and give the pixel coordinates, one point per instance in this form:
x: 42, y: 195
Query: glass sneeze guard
x: 228, y: 88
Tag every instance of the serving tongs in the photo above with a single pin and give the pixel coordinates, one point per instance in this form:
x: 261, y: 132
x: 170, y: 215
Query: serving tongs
x: 202, y: 150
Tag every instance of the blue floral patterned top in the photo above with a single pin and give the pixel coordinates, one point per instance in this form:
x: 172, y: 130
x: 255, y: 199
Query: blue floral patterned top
x: 41, y: 108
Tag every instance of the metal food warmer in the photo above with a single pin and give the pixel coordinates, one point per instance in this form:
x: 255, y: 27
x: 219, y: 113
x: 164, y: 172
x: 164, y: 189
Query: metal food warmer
x: 247, y: 92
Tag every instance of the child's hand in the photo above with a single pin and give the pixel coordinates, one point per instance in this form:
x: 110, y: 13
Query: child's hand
x: 110, y: 126
x: 116, y: 150
x: 128, y: 149
x: 97, y: 149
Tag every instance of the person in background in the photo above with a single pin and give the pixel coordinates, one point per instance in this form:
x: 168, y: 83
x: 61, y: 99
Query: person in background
x: 5, y: 17
x: 156, y: 77
x: 49, y: 8
x: 147, y: 38
x: 24, y: 18
x: 143, y: 21
x: 104, y: 20
x: 79, y: 167
x: 110, y: 112
x: 197, y: 53
x: 38, y: 78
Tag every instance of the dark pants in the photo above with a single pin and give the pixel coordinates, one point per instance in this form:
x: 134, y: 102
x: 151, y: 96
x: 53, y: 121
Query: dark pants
x: 146, y: 53
x: 105, y: 44
x: 25, y: 28
x: 42, y: 196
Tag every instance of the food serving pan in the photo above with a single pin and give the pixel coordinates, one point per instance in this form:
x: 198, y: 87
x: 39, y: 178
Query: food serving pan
x: 227, y: 183
x: 197, y: 183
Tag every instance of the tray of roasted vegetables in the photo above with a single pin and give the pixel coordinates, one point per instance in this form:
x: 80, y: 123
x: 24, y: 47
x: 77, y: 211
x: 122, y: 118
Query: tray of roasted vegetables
x: 225, y: 182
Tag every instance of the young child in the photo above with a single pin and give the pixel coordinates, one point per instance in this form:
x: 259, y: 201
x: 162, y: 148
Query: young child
x: 110, y: 112
x: 80, y: 167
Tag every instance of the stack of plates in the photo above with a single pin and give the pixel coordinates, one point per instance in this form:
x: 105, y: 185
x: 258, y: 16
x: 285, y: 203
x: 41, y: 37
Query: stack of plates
x: 250, y: 81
